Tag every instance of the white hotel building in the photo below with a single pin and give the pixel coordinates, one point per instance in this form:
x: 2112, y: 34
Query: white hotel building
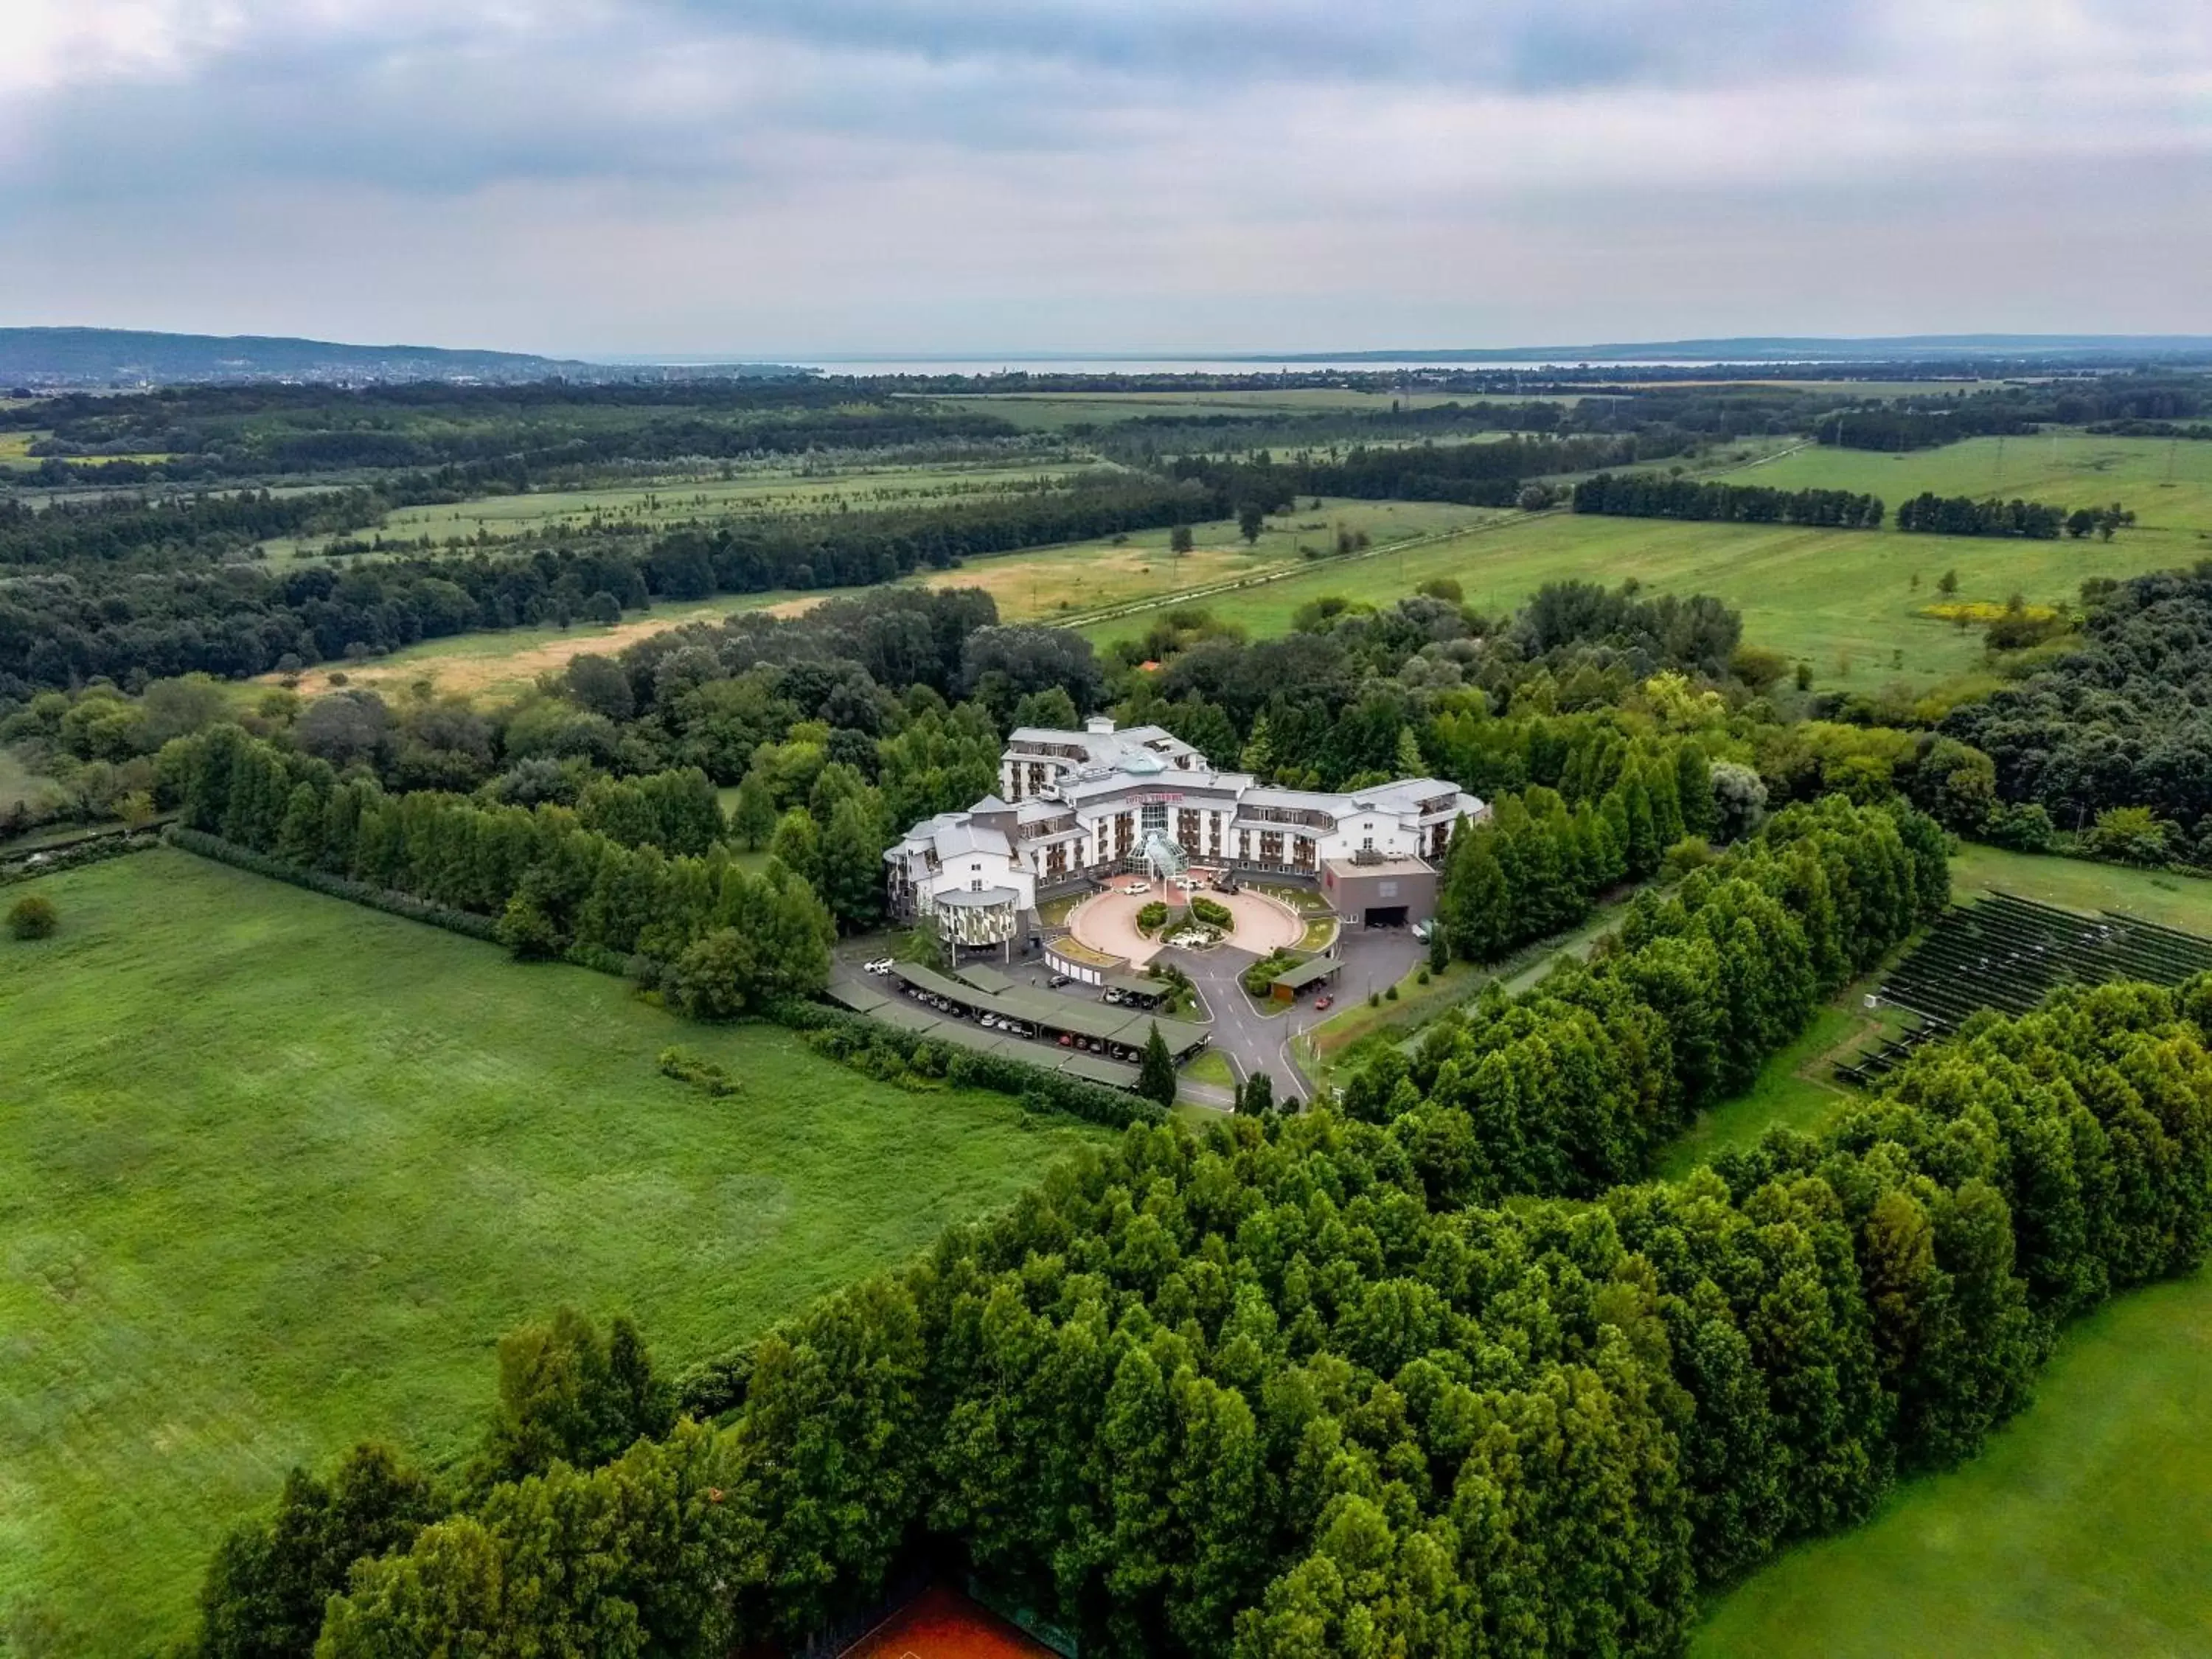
x: 1074, y: 806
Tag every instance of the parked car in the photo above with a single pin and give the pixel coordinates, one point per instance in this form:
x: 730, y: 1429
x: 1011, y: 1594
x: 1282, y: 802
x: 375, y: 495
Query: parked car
x: 1421, y: 931
x: 1137, y: 889
x: 1112, y: 996
x: 880, y: 965
x: 1058, y: 980
x: 1323, y: 1002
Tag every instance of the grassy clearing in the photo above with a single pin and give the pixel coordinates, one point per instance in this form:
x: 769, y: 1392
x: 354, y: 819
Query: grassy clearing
x: 20, y: 784
x: 493, y: 666
x: 1842, y: 601
x: 679, y: 501
x: 281, y: 1170
x: 2086, y: 1527
x: 1792, y: 1091
x: 1081, y: 576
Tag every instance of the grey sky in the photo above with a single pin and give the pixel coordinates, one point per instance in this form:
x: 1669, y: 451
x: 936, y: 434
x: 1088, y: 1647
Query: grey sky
x: 796, y: 176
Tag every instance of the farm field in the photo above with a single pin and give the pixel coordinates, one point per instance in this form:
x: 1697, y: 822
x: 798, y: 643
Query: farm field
x: 779, y: 492
x: 281, y: 1170
x: 2084, y: 1526
x: 503, y: 664
x: 1081, y: 576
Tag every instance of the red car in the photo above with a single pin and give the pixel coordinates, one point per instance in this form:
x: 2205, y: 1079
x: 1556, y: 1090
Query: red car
x: 1323, y: 1002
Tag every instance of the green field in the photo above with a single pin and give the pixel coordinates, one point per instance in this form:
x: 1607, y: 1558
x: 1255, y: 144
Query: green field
x: 493, y: 666
x: 760, y: 492
x: 2084, y: 1527
x: 280, y: 1170
x: 1842, y: 601
x: 1051, y: 582
x: 2169, y: 483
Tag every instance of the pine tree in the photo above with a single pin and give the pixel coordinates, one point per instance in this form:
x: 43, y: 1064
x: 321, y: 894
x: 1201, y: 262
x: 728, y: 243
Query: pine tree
x: 1156, y: 1077
x: 1259, y: 755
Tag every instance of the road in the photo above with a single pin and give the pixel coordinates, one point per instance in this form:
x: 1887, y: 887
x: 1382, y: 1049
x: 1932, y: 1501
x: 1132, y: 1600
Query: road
x: 1254, y: 1042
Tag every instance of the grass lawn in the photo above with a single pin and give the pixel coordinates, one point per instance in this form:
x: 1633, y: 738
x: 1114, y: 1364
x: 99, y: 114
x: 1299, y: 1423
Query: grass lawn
x: 280, y: 1170
x: 2084, y: 1527
x: 1842, y: 601
x: 1211, y: 1066
x: 1791, y: 1092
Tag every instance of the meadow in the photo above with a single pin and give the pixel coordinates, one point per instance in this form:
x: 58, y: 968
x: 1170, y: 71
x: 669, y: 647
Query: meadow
x: 1067, y: 581
x: 1846, y: 603
x: 2085, y: 1526
x: 281, y: 1170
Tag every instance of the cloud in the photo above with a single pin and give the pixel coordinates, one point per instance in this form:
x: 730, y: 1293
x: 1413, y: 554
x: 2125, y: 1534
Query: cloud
x: 780, y: 165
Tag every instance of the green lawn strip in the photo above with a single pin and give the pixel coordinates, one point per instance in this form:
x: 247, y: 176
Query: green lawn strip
x: 1211, y: 1066
x: 2163, y: 897
x: 281, y: 1170
x: 2085, y: 1527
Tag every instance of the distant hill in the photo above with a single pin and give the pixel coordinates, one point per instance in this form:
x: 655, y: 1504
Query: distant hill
x: 1764, y: 348
x: 44, y: 358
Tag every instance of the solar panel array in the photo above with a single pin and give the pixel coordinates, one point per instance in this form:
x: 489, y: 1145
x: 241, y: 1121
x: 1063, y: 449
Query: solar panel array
x: 2008, y: 953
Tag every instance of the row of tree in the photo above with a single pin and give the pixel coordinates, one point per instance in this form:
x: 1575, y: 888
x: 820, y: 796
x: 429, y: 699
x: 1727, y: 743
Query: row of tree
x: 1930, y: 514
x: 1651, y: 495
x: 1574, y: 1085
x: 1274, y: 1393
x: 723, y: 940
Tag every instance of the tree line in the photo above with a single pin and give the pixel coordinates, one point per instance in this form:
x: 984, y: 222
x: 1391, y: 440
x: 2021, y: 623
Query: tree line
x: 1481, y: 474
x: 721, y: 940
x: 1574, y: 1085
x: 1648, y: 496
x: 255, y: 431
x: 236, y: 620
x: 1276, y: 1392
x: 1930, y: 514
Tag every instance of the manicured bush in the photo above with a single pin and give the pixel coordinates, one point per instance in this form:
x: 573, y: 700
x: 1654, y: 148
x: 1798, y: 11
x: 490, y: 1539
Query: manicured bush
x: 1151, y: 917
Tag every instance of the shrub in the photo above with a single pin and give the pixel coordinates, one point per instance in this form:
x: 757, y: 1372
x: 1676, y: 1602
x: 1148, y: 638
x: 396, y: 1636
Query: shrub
x: 1211, y: 914
x: 2129, y: 835
x: 708, y: 1075
x: 1151, y: 917
x: 33, y: 916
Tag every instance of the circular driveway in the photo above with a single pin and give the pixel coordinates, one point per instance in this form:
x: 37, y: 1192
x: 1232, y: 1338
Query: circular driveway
x: 1107, y: 922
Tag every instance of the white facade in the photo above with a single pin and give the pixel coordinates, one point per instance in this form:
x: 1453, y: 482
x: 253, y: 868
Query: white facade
x: 1079, y: 803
